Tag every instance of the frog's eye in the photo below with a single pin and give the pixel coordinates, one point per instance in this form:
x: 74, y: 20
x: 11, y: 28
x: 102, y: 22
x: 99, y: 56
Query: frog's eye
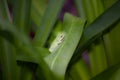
x: 58, y: 41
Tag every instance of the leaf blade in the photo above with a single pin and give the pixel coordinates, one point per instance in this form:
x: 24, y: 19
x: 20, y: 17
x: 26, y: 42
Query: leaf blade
x: 73, y: 33
x: 95, y: 30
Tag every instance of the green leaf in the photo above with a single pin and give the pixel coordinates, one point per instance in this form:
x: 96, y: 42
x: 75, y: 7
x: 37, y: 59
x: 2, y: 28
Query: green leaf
x: 96, y: 29
x: 4, y: 13
x: 22, y: 56
x: 8, y: 60
x: 116, y: 75
x: 7, y: 50
x: 112, y: 39
x: 34, y: 56
x: 7, y: 35
x: 21, y: 15
x: 97, y: 58
x: 8, y: 27
x: 107, y: 74
x: 37, y: 10
x: 112, y: 46
x: 89, y: 10
x: 27, y: 48
x: 39, y: 5
x: 48, y: 21
x: 80, y: 8
x: 58, y: 60
x: 97, y: 54
x: 80, y: 71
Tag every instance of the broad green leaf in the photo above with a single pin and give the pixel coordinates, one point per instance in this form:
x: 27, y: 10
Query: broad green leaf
x: 48, y: 21
x: 58, y: 60
x: 109, y: 73
x: 96, y: 29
